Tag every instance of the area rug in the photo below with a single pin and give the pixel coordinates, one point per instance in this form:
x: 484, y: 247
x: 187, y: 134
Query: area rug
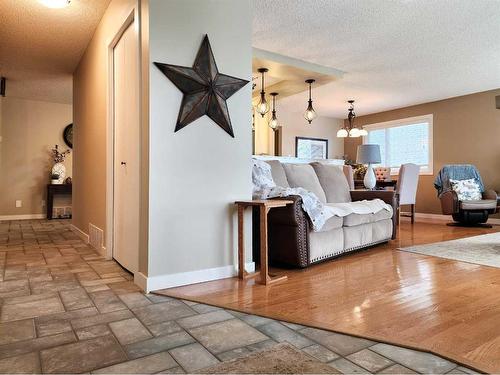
x: 280, y: 359
x: 483, y: 250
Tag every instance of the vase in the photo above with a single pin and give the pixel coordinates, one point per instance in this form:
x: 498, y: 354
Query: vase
x: 60, y: 170
x: 370, y: 181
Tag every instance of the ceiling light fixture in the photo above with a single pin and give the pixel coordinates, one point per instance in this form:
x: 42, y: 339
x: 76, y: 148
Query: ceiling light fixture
x: 55, y: 4
x: 263, y: 105
x: 350, y: 130
x: 310, y: 113
x: 273, y: 123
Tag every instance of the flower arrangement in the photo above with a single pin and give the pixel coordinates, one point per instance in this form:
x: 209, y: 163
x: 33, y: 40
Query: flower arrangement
x: 59, y: 156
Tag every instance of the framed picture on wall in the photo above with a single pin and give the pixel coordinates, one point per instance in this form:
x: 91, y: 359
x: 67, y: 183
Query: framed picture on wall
x: 311, y: 148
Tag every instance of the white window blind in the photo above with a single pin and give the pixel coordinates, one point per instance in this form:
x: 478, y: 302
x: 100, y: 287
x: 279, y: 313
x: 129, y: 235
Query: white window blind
x: 403, y: 141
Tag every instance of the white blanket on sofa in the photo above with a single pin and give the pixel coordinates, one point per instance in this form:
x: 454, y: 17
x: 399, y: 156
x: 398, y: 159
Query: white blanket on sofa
x: 264, y: 188
x: 363, y: 207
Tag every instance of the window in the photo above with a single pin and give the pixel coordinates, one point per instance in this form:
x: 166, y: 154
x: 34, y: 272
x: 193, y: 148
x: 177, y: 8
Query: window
x: 403, y: 141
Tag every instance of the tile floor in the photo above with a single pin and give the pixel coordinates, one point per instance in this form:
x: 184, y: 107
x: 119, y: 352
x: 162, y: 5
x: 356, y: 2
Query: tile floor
x: 65, y: 309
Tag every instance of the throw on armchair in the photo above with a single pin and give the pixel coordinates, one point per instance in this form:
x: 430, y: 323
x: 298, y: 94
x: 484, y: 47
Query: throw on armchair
x: 464, y: 210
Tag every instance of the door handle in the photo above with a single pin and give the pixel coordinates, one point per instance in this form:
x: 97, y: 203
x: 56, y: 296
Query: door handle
x: 123, y: 163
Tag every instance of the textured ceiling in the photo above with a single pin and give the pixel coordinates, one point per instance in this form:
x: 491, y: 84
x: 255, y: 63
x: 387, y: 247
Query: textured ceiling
x: 393, y: 53
x: 40, y: 47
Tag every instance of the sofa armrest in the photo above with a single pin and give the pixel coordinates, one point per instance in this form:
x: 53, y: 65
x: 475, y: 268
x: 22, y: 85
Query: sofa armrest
x: 490, y: 194
x: 388, y: 196
x: 288, y: 234
x: 292, y: 214
x: 449, y: 202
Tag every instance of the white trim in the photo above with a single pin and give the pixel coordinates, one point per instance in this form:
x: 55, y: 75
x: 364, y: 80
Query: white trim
x: 152, y: 283
x: 422, y: 217
x: 23, y: 217
x: 85, y: 238
x: 429, y: 119
x: 80, y: 233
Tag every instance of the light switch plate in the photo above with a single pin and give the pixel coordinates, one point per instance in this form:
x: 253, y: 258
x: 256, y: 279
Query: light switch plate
x: 19, y: 203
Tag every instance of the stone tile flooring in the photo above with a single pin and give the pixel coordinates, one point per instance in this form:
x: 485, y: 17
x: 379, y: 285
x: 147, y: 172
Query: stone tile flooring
x: 65, y: 309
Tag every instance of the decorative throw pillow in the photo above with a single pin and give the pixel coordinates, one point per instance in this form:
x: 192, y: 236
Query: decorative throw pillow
x: 467, y: 190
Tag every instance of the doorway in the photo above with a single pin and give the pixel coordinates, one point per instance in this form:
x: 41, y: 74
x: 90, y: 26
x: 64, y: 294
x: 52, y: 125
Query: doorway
x: 126, y: 138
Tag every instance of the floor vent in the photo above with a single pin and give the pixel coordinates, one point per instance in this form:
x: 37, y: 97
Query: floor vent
x: 96, y: 236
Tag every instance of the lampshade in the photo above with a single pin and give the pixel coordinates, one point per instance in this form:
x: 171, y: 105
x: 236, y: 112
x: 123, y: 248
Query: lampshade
x: 354, y: 133
x: 363, y: 132
x: 368, y: 154
x: 342, y: 133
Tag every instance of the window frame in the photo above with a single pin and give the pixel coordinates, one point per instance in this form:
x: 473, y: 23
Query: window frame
x: 429, y: 118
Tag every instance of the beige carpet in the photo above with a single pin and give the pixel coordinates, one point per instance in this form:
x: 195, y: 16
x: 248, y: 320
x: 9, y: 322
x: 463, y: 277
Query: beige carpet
x: 280, y: 359
x: 483, y: 250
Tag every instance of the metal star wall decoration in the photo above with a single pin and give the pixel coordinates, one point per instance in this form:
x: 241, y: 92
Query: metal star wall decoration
x: 205, y: 89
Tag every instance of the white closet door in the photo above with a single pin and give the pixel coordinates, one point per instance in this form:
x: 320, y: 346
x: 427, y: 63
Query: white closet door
x: 126, y: 151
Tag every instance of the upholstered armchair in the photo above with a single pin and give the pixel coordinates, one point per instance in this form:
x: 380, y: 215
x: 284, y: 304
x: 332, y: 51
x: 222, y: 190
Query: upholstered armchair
x: 465, y: 212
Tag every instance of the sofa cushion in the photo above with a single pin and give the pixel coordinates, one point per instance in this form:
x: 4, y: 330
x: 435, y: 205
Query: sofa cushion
x: 278, y: 173
x: 332, y: 223
x: 333, y: 182
x: 484, y: 204
x: 303, y: 175
x: 323, y: 245
x: 357, y: 219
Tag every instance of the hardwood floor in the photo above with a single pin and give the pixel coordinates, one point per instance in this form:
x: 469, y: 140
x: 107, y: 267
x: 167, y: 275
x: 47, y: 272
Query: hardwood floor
x: 443, y: 306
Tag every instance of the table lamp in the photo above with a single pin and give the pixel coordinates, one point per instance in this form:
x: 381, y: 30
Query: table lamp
x: 369, y: 154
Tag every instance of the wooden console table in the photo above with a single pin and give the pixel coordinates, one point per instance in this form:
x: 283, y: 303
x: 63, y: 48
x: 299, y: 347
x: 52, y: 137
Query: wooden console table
x: 380, y: 184
x: 53, y: 189
x: 264, y: 207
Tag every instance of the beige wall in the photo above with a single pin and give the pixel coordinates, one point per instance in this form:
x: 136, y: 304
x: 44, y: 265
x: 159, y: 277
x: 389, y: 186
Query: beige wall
x: 466, y: 130
x: 294, y: 125
x: 197, y: 172
x: 29, y: 131
x: 90, y: 101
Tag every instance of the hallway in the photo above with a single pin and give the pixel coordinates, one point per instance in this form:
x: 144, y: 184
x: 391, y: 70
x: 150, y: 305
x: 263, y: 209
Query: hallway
x: 65, y: 309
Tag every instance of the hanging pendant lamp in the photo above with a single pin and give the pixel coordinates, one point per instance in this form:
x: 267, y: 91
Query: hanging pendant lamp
x: 310, y: 113
x: 350, y: 130
x: 273, y: 122
x: 263, y: 105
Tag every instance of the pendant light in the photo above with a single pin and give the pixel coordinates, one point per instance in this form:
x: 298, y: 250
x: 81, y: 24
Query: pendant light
x: 263, y: 105
x: 273, y: 122
x: 350, y: 130
x: 310, y: 113
x: 353, y: 131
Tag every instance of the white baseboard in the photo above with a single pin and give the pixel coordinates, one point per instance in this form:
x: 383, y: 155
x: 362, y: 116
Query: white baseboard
x: 85, y: 237
x: 425, y: 217
x: 152, y: 283
x: 80, y: 233
x: 22, y: 217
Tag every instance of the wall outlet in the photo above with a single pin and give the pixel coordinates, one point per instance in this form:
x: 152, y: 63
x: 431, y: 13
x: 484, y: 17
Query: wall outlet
x: 43, y: 202
x: 19, y: 204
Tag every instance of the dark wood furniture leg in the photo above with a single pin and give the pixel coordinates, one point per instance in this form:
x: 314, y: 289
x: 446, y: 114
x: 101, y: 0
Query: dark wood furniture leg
x: 50, y: 202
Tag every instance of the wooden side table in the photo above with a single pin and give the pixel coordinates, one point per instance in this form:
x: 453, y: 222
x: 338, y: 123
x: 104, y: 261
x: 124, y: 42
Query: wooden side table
x: 264, y: 207
x: 53, y: 189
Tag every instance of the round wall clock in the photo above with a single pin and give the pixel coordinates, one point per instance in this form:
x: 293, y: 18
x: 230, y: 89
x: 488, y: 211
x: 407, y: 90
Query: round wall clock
x: 68, y: 135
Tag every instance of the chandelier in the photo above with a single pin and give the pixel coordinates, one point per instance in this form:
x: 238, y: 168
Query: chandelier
x: 350, y: 130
